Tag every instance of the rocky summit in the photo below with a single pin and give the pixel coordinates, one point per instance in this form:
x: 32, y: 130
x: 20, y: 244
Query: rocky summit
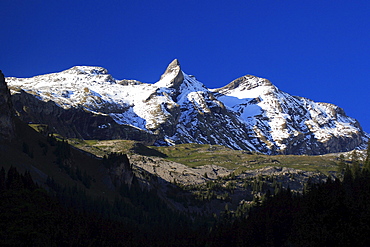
x: 249, y: 113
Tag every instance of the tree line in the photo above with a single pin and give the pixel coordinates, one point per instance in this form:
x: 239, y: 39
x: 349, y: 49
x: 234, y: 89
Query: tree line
x: 334, y: 213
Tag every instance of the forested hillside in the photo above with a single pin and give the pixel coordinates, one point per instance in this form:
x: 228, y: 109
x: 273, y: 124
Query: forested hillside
x: 334, y: 213
x: 30, y: 216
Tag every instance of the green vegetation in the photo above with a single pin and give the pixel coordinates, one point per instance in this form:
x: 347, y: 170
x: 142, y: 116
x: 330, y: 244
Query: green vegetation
x: 335, y: 213
x: 332, y: 213
x: 195, y: 155
x: 79, y: 210
x: 104, y: 147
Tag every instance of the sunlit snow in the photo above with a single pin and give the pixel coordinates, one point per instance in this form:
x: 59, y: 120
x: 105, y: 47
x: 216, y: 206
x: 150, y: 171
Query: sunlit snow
x: 257, y: 113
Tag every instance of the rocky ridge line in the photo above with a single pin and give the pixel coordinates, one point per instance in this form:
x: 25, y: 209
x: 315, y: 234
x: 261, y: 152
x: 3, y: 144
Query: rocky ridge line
x: 249, y: 113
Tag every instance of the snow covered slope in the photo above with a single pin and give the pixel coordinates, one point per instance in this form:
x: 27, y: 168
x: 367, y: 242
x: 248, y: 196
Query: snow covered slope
x: 290, y: 124
x: 249, y: 113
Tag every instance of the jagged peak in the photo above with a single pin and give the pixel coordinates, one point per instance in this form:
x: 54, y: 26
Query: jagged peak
x: 173, y: 76
x: 173, y: 67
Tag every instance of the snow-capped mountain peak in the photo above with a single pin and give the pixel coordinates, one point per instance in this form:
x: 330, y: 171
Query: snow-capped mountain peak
x: 246, y: 82
x: 248, y: 113
x: 172, y: 77
x: 92, y: 70
x: 248, y: 86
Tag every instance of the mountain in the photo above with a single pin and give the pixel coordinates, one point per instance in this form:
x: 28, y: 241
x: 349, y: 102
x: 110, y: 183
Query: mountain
x: 249, y: 113
x: 289, y: 123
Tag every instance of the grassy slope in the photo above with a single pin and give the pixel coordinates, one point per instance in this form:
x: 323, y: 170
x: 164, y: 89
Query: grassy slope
x: 194, y: 155
x: 197, y: 155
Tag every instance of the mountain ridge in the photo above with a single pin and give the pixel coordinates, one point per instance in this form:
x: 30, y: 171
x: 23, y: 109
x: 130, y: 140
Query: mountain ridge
x: 248, y: 113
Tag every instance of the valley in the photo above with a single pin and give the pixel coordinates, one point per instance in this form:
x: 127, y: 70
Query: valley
x: 216, y: 173
x: 220, y: 168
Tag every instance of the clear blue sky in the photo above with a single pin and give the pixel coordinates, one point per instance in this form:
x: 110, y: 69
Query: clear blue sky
x: 312, y: 48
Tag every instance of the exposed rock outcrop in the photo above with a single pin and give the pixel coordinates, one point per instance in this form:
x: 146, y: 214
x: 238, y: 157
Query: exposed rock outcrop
x: 174, y: 75
x: 7, y: 132
x: 75, y: 122
x: 120, y: 170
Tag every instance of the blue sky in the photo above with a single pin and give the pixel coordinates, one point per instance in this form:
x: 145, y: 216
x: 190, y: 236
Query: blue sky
x: 315, y: 49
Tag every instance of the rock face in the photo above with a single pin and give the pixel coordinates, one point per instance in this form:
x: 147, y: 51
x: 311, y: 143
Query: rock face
x: 173, y: 75
x: 249, y: 113
x: 172, y: 171
x: 75, y: 122
x: 7, y: 132
x: 120, y: 171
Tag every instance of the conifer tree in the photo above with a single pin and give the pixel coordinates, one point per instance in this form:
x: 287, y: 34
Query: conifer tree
x: 347, y: 176
x: 13, y: 180
x: 367, y: 159
x: 341, y: 165
x: 355, y: 164
x: 2, y: 179
x: 28, y: 181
